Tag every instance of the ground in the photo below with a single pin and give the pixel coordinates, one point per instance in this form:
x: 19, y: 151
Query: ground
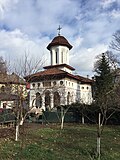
x: 48, y: 142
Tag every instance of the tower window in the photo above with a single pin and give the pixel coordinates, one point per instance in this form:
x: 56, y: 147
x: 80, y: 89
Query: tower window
x: 56, y: 57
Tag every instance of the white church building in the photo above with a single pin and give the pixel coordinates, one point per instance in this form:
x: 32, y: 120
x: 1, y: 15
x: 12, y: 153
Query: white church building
x: 57, y: 85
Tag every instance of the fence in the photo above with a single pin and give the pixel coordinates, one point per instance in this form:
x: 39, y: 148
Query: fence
x: 55, y: 117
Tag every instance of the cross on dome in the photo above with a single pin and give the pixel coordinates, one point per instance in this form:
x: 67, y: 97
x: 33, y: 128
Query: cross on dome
x: 59, y: 28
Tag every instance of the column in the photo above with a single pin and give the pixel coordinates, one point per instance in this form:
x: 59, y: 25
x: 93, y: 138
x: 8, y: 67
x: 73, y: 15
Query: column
x: 43, y: 102
x: 51, y: 101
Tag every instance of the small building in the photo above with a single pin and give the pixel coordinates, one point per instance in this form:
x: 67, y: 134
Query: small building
x: 57, y: 85
x: 11, y: 87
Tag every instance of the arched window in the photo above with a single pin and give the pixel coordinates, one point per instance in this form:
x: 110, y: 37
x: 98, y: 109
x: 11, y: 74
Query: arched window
x: 56, y: 99
x: 38, y: 100
x: 47, y: 100
x: 3, y: 89
x: 68, y: 98
x: 56, y: 57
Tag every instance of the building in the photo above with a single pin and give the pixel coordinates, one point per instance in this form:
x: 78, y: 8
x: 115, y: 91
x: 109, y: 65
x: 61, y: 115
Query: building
x: 11, y: 88
x: 57, y: 85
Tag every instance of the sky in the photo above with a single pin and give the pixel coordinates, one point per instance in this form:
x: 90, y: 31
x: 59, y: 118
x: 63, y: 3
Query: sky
x: 28, y: 26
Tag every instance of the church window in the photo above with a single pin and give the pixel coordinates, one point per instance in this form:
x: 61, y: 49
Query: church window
x: 56, y: 57
x: 61, y: 82
x: 72, y: 84
x: 47, y: 101
x: 56, y: 99
x: 87, y: 87
x: 38, y: 85
x: 54, y: 83
x: 68, y: 98
x: 2, y: 88
x: 82, y: 87
x: 38, y: 100
x: 33, y: 85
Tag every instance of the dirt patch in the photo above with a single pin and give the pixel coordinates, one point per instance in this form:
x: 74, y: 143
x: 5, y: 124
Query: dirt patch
x: 10, y: 132
x: 7, y: 132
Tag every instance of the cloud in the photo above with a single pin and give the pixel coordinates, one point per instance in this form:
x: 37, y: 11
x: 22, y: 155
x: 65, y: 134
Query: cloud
x: 84, y: 58
x: 32, y: 24
x: 107, y: 3
x: 16, y: 44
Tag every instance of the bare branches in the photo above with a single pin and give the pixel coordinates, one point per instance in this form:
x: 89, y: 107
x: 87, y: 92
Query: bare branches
x: 28, y: 65
x: 115, y: 44
x: 3, y: 66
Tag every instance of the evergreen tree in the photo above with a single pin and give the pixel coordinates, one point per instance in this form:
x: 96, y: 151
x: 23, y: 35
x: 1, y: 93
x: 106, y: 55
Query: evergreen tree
x: 104, y: 78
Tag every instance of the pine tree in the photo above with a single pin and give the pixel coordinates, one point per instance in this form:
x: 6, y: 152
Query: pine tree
x: 104, y: 78
x: 104, y: 93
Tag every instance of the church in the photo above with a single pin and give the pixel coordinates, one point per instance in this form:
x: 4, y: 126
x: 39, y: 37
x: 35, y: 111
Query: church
x: 57, y: 85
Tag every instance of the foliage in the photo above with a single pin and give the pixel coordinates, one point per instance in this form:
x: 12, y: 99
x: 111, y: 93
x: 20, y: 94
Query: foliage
x: 104, y: 77
x: 106, y: 91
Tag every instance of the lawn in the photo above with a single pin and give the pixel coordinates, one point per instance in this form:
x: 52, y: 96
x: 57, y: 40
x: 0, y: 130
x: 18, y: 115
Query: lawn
x: 48, y: 142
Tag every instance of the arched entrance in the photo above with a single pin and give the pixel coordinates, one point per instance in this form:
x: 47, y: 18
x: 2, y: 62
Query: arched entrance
x: 47, y: 100
x: 38, y: 100
x: 56, y: 99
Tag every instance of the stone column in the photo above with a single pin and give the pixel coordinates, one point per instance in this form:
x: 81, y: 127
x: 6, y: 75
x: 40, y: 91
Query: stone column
x: 32, y: 100
x: 43, y: 102
x: 65, y: 99
x: 51, y: 101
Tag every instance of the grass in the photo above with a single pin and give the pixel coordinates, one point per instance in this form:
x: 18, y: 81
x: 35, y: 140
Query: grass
x: 75, y: 142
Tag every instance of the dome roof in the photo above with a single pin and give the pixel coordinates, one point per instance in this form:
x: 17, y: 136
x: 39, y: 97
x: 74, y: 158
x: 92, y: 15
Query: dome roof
x: 59, y: 40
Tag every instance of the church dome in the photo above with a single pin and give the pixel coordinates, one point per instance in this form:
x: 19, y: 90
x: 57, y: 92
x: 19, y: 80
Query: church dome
x: 59, y: 40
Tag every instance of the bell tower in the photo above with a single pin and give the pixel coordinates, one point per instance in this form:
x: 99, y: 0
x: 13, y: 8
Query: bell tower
x: 59, y: 49
x: 59, y: 52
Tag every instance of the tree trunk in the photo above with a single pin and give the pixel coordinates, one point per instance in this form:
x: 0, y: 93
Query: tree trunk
x: 98, y: 147
x: 62, y: 122
x: 98, y: 137
x: 21, y: 122
x: 17, y: 127
x: 83, y: 119
x: 62, y: 117
x: 17, y: 132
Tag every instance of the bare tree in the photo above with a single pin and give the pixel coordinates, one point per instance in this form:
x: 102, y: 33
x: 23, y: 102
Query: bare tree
x: 3, y: 66
x: 15, y: 81
x: 115, y: 44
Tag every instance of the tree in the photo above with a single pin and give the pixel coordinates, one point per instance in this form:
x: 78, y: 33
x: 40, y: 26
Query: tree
x: 115, y: 44
x: 25, y: 66
x: 3, y: 66
x: 15, y: 81
x: 106, y: 97
x: 104, y: 78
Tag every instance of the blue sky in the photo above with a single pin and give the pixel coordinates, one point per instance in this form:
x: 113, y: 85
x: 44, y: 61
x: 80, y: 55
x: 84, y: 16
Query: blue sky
x: 29, y: 25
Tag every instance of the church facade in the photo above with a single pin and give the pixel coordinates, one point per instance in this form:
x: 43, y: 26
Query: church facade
x: 57, y: 85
